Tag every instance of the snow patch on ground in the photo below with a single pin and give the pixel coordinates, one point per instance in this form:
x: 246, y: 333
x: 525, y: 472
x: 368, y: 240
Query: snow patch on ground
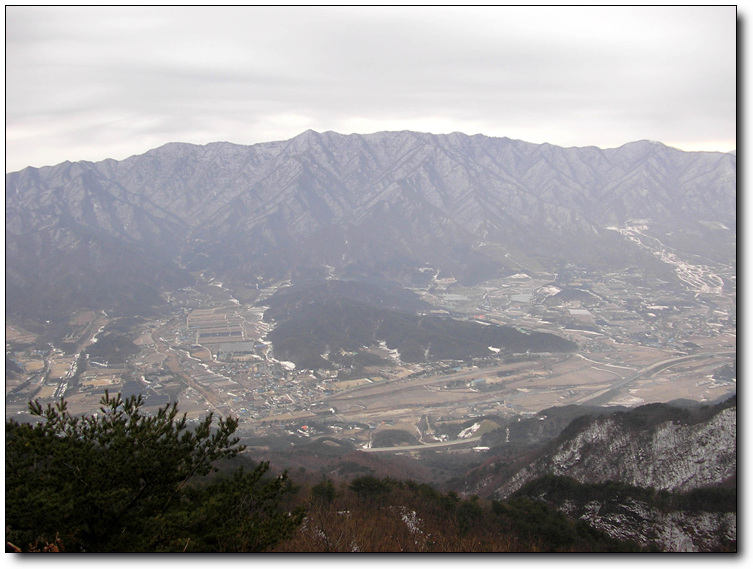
x: 468, y: 433
x: 698, y: 278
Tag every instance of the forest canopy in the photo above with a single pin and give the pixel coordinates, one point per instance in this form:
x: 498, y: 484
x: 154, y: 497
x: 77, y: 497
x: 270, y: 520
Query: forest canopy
x: 121, y: 480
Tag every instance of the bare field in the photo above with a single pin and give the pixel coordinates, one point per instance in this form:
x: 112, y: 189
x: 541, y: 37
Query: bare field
x: 47, y: 391
x: 61, y: 367
x: 193, y: 408
x: 104, y: 378
x: 83, y: 402
x: 342, y: 385
x: 18, y: 334
x: 144, y: 340
x: 659, y: 390
x: 155, y: 358
x: 204, y: 355
x: 83, y: 318
x: 30, y: 366
x: 635, y: 355
x: 293, y: 416
x: 578, y: 373
x: 723, y: 341
x: 535, y: 400
x: 537, y: 385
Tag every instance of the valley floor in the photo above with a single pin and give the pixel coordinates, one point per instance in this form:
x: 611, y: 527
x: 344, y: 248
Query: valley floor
x: 638, y: 342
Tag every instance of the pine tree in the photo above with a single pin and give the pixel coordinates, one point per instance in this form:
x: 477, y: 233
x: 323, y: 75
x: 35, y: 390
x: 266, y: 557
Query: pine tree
x: 121, y: 480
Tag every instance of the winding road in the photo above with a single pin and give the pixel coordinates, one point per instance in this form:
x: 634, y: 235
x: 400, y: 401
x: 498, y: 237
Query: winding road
x: 606, y: 395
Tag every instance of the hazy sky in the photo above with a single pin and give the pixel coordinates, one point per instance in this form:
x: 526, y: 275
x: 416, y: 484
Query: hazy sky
x: 88, y: 83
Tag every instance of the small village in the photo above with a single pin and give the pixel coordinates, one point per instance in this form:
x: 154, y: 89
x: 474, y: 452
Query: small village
x: 211, y: 355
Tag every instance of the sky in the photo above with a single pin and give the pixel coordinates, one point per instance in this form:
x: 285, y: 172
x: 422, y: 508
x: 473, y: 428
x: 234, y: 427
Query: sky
x: 90, y: 83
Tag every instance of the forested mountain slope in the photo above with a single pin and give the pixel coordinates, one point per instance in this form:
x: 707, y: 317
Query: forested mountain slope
x: 386, y: 205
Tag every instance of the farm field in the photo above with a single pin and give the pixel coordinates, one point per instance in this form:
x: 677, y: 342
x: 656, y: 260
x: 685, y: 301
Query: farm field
x: 212, y: 355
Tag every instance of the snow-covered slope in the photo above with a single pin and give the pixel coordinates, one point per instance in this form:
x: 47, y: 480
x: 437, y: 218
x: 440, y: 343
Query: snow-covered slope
x: 671, y: 455
x: 383, y: 204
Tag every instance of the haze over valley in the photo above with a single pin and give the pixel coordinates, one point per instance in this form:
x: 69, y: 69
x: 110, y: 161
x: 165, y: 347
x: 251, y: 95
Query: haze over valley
x: 371, y: 278
x: 397, y: 292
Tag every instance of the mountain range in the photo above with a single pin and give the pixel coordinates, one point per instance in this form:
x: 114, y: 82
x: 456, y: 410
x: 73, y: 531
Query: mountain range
x: 398, y: 206
x: 351, y: 221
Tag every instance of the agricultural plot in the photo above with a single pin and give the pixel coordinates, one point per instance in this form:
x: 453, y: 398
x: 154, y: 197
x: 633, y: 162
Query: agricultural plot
x: 17, y: 334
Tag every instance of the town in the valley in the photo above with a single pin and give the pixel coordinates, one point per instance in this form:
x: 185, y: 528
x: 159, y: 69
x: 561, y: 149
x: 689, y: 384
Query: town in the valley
x: 640, y: 340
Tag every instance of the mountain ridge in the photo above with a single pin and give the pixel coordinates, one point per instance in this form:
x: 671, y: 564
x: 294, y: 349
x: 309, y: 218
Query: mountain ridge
x: 381, y: 204
x: 660, y: 446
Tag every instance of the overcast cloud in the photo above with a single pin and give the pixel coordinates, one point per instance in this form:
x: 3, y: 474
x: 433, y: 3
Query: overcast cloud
x: 93, y: 83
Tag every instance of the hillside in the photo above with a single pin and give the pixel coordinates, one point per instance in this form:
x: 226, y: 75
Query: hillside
x: 318, y: 325
x: 658, y: 446
x: 555, y: 505
x: 704, y: 519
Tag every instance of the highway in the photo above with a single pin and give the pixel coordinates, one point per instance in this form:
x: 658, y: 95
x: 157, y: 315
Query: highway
x: 426, y: 446
x: 606, y: 395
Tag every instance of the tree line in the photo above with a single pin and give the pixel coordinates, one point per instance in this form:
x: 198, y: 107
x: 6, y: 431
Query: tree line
x: 120, y: 480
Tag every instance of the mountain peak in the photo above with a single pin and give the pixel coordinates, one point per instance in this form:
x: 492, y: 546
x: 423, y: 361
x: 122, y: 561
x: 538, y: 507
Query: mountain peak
x: 387, y: 204
x: 645, y: 143
x: 308, y: 133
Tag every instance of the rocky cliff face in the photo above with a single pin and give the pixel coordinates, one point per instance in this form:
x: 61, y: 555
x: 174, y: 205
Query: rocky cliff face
x: 672, y: 455
x: 384, y: 205
x: 639, y: 521
x: 658, y: 475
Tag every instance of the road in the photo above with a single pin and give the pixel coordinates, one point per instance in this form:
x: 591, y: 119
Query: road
x: 173, y: 363
x: 600, y: 397
x: 426, y: 446
x: 392, y: 386
x: 606, y: 395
